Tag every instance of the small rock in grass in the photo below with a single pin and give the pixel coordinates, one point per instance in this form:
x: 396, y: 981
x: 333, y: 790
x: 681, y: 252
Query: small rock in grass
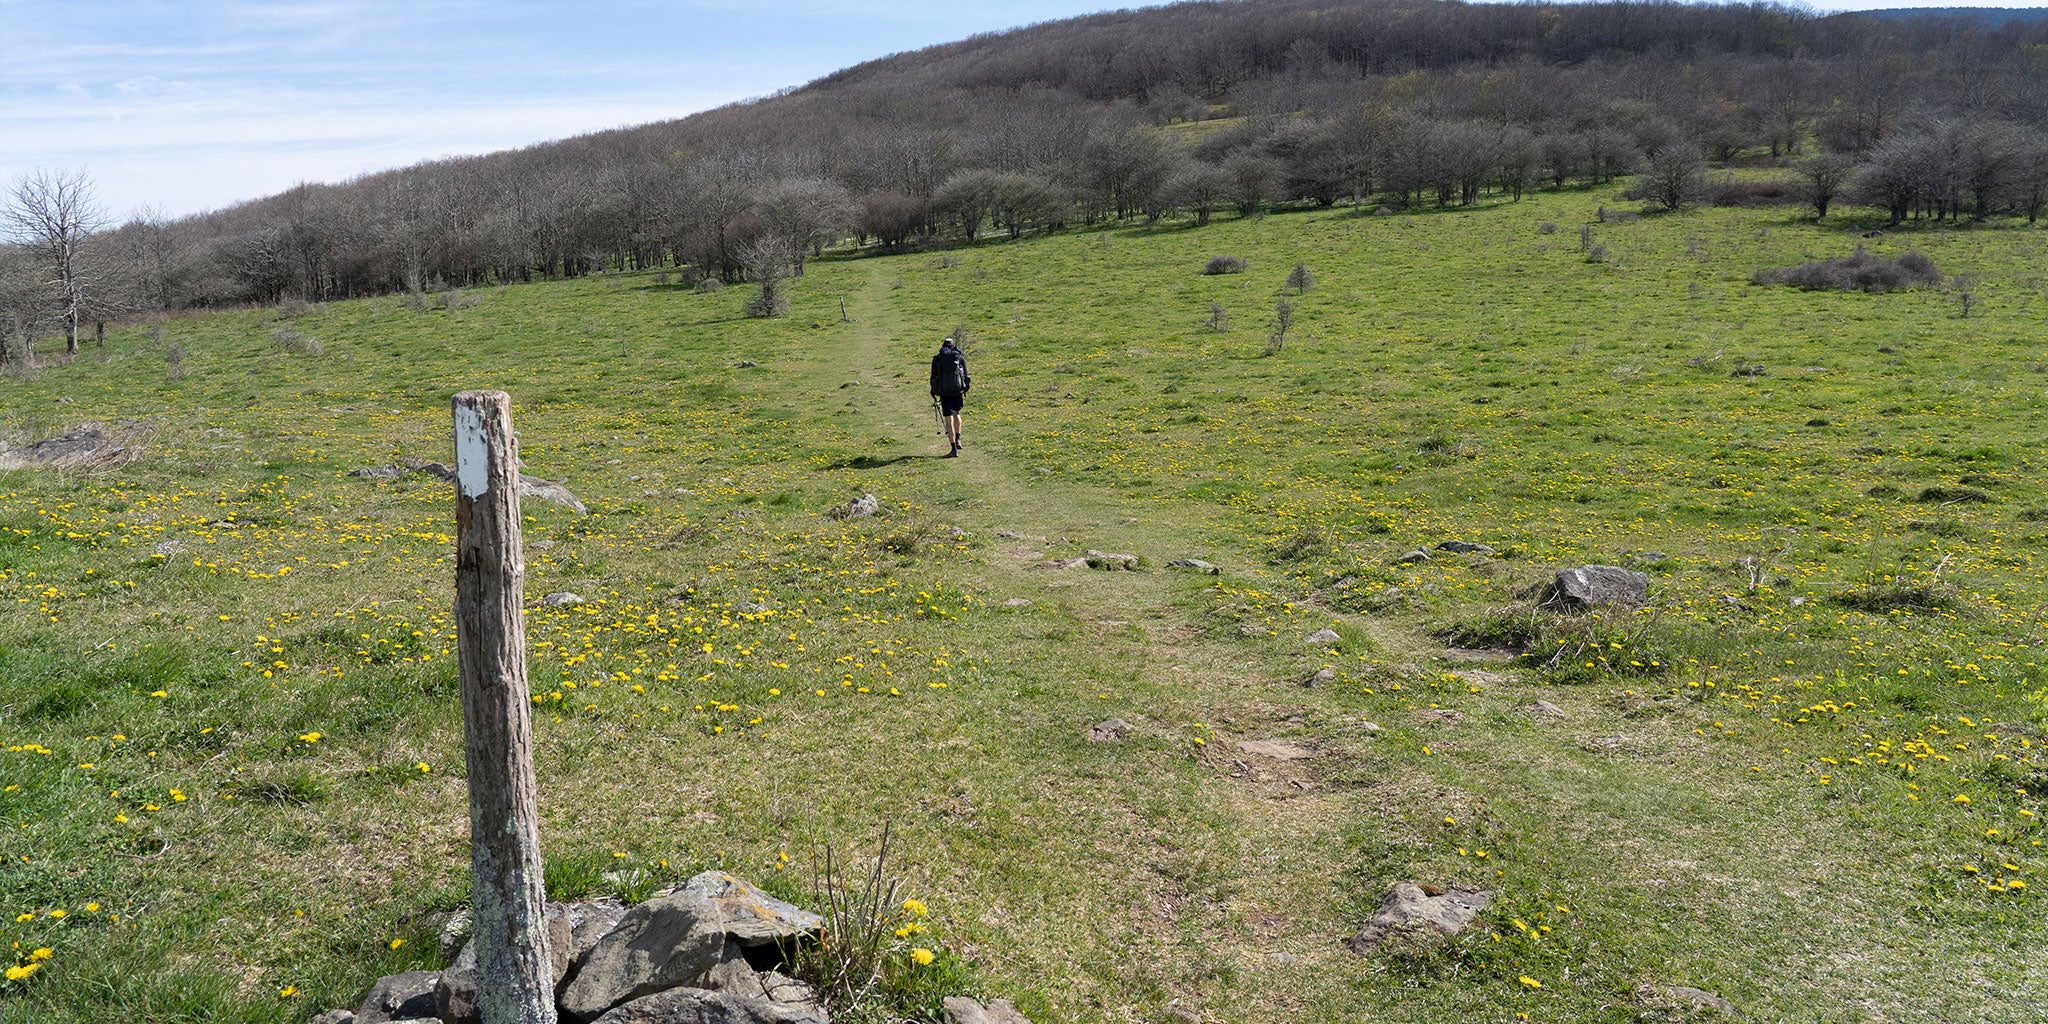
x: 1407, y: 907
x: 1111, y: 560
x: 1076, y: 562
x: 1370, y: 727
x: 859, y: 508
x: 1324, y: 636
x: 1465, y: 547
x: 560, y: 599
x: 1545, y: 711
x: 1109, y: 731
x: 1417, y: 555
x: 334, y: 1017
x: 1322, y: 676
x: 1195, y: 564
x: 1251, y: 629
x: 963, y: 1010
x: 1016, y: 602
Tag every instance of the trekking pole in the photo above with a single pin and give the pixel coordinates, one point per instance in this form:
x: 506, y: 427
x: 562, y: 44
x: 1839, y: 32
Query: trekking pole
x: 938, y: 416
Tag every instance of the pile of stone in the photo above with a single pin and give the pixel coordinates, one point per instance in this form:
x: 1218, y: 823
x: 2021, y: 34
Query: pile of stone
x: 708, y: 951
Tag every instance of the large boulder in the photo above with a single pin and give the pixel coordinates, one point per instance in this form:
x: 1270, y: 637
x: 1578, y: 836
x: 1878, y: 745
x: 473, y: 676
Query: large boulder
x: 1408, y: 907
x: 701, y: 1006
x: 678, y: 940
x: 1591, y: 586
x: 399, y: 997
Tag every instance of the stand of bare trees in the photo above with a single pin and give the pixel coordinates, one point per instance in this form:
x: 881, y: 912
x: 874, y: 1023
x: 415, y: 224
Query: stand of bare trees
x: 1403, y: 102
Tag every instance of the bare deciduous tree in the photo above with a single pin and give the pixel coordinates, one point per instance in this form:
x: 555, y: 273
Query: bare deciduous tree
x: 52, y: 215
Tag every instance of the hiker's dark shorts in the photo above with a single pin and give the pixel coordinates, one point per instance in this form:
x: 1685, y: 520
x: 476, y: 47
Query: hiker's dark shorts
x: 950, y: 404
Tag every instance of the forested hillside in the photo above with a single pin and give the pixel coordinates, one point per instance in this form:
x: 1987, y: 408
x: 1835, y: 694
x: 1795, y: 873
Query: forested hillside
x: 1174, y: 111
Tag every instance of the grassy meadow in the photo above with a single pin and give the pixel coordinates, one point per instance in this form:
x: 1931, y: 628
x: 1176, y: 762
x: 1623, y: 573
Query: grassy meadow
x: 1807, y: 778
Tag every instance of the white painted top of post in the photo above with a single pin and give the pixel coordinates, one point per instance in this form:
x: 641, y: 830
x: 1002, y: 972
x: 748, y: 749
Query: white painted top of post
x: 472, y: 455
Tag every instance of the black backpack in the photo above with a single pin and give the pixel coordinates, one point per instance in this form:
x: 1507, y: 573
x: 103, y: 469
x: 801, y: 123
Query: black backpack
x: 949, y: 373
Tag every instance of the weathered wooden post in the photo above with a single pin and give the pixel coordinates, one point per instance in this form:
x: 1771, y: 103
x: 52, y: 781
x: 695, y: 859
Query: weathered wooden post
x: 515, y: 982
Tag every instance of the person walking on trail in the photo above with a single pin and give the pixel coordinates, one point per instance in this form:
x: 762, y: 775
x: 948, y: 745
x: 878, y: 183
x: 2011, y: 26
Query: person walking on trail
x: 949, y: 389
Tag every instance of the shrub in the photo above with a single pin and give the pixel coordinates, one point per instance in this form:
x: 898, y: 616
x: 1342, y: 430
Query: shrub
x: 284, y: 339
x: 1756, y: 193
x: 1300, y: 279
x: 1546, y: 228
x: 708, y: 285
x: 1224, y: 265
x: 1597, y: 254
x: 1858, y: 271
x: 292, y: 306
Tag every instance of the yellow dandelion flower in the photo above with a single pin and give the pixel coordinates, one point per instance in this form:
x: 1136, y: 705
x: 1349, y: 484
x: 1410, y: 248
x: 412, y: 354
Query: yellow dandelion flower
x: 923, y: 956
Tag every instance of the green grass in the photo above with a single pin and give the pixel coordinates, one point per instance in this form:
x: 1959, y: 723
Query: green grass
x: 1755, y: 791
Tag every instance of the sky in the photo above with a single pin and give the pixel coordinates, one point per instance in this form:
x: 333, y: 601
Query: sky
x: 182, y: 107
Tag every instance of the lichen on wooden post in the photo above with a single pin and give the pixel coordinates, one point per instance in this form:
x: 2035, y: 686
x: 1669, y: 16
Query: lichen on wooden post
x: 515, y: 980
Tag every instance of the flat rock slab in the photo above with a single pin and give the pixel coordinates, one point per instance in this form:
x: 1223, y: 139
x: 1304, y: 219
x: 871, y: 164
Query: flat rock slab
x: 88, y: 445
x: 1593, y: 586
x: 1109, y: 731
x: 1196, y: 565
x: 1545, y: 711
x: 1324, y: 636
x: 1408, y: 908
x: 752, y: 917
x: 1277, y: 750
x: 701, y: 1006
x: 963, y: 1010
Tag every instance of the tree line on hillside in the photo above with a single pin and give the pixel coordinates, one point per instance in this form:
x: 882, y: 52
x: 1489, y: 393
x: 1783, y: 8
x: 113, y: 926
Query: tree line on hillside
x: 1182, y: 111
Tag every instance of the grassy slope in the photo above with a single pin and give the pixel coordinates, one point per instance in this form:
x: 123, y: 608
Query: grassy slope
x: 1729, y: 813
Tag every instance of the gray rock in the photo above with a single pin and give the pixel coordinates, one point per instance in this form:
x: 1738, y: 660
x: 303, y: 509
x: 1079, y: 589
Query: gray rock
x: 1465, y: 547
x: 1649, y: 557
x: 1322, y: 676
x: 1417, y: 555
x: 334, y: 1017
x: 1407, y: 907
x: 1109, y: 560
x: 1195, y: 564
x: 1076, y: 562
x: 1016, y: 602
x: 1546, y: 711
x: 1701, y: 999
x: 1592, y: 586
x: 560, y: 599
x: 1251, y: 629
x: 547, y: 490
x: 679, y: 940
x: 399, y: 997
x: 962, y: 1010
x: 455, y: 931
x: 701, y: 1006
x: 1370, y: 726
x: 859, y: 508
x: 1110, y: 731
x: 1324, y: 636
x: 88, y: 445
x: 378, y: 473
x: 782, y: 988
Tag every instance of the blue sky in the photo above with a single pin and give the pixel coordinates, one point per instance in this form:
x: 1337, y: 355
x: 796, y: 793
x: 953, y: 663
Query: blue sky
x: 191, y: 106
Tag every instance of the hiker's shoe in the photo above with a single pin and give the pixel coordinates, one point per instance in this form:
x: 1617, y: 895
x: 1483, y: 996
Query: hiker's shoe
x: 955, y: 453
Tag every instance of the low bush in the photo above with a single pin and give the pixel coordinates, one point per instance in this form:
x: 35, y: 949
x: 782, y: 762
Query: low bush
x: 1755, y: 194
x: 1859, y: 271
x: 284, y: 339
x: 1224, y: 265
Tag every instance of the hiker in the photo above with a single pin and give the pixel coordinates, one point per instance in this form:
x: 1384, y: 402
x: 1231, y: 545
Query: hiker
x: 949, y: 388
